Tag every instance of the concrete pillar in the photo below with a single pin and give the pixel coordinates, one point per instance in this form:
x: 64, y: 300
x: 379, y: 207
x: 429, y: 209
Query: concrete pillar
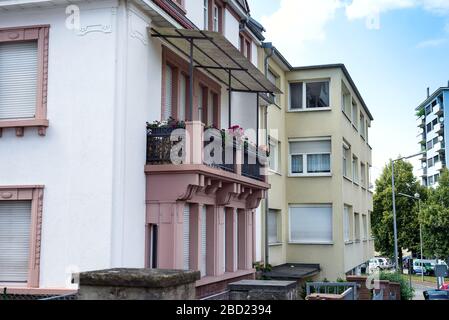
x: 245, y: 239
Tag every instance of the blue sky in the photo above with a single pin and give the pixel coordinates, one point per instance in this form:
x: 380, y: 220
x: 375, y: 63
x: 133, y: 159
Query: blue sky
x: 393, y: 49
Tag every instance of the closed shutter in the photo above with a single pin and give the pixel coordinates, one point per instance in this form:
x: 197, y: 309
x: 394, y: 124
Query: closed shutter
x: 15, y: 227
x: 168, y: 92
x: 186, y: 227
x: 18, y: 80
x: 183, y: 98
x: 311, y: 224
x: 224, y: 241
x: 203, y: 241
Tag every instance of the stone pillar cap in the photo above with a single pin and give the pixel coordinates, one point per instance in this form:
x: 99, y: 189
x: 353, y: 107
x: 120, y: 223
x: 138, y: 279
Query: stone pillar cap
x: 146, y: 278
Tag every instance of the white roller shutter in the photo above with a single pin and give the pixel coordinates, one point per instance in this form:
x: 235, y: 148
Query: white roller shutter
x: 15, y: 229
x: 168, y: 92
x: 18, y: 80
x: 203, y: 241
x: 186, y: 226
x: 224, y: 241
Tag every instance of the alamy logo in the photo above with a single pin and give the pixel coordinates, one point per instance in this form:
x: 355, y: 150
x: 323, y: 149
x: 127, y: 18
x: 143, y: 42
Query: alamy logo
x: 72, y: 22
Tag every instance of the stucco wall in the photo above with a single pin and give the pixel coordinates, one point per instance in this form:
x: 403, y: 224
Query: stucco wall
x: 91, y: 161
x: 75, y: 159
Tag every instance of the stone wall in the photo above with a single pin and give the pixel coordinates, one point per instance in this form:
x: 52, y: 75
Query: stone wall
x: 138, y: 284
x: 263, y: 290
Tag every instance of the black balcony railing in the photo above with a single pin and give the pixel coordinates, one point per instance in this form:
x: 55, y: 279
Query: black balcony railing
x: 226, y: 149
x: 160, y: 148
x: 253, y: 162
x: 159, y: 145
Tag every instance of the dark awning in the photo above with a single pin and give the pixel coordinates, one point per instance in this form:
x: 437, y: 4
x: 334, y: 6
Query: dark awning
x: 215, y: 54
x: 296, y: 271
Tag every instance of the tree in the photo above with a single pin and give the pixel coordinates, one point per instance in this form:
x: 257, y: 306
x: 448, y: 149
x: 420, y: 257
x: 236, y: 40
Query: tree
x: 435, y: 219
x: 406, y: 210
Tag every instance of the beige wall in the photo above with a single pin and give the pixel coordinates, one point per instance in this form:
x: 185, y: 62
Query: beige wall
x: 340, y: 257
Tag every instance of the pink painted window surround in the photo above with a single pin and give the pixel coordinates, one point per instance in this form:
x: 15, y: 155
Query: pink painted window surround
x: 39, y: 34
x: 35, y: 195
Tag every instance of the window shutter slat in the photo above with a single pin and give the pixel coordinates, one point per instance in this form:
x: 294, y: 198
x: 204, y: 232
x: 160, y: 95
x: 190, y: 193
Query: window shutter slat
x: 15, y: 226
x: 18, y: 80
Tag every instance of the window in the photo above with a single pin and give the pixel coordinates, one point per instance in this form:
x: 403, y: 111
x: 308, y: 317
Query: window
x: 357, y: 226
x: 310, y: 157
x: 355, y: 169
x: 369, y: 224
x: 365, y: 227
x: 273, y: 227
x: 370, y: 177
x: 431, y: 181
x: 363, y: 174
x: 245, y: 45
x: 296, y: 95
x: 312, y: 95
x: 429, y: 127
x: 346, y: 160
x: 317, y: 94
x: 362, y: 125
x: 436, y: 178
x: 152, y: 238
x: 216, y: 19
x: 347, y: 223
x: 367, y: 126
x: 23, y: 78
x: 430, y: 163
x: 274, y: 79
x: 169, y: 93
x: 428, y: 110
x: 206, y: 14
x: 274, y: 154
x: 346, y: 100
x: 20, y: 235
x: 355, y: 115
x: 311, y: 224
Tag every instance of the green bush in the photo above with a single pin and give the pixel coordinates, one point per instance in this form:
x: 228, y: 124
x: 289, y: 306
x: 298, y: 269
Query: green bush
x: 407, y: 292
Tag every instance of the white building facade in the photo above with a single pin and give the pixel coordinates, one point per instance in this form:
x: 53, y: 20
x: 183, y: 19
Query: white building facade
x: 78, y: 82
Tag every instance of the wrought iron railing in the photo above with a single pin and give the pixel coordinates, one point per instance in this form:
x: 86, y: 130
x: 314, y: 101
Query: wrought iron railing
x: 159, y: 145
x: 227, y: 153
x: 253, y: 162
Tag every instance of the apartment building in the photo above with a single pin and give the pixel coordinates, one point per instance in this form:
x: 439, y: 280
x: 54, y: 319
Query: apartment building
x: 85, y: 184
x: 320, y: 203
x: 431, y: 135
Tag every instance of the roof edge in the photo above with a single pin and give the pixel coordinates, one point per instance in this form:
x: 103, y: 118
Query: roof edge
x: 431, y: 97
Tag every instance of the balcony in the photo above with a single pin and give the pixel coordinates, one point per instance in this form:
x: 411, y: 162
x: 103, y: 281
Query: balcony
x: 422, y: 172
x: 439, y: 128
x: 420, y: 122
x: 439, y: 147
x: 438, y: 110
x: 438, y: 166
x: 169, y: 146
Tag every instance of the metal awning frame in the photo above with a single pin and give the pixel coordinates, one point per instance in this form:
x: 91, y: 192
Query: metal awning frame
x: 201, y: 36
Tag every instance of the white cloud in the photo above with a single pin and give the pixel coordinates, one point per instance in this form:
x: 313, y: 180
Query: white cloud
x: 431, y: 43
x: 298, y: 21
x: 366, y: 8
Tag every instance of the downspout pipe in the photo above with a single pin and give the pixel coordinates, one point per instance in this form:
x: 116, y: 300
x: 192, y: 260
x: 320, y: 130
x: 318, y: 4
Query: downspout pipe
x: 269, y: 50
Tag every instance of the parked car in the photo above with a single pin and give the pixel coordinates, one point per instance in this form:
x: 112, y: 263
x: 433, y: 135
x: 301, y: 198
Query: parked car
x: 423, y: 266
x: 378, y: 264
x: 436, y: 295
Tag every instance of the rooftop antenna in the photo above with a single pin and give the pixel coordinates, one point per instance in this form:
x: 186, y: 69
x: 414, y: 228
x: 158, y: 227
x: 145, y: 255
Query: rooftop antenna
x: 428, y: 92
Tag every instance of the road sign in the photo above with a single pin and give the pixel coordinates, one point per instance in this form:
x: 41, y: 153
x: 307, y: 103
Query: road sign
x: 440, y: 270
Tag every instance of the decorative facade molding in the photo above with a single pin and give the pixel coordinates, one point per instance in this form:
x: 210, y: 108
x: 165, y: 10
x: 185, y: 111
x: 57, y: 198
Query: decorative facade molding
x: 93, y: 25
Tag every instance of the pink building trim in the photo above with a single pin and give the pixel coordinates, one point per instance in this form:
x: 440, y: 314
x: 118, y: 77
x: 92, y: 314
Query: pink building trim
x: 35, y: 194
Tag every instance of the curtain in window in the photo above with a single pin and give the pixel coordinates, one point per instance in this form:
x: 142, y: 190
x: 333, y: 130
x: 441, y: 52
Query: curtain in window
x: 296, y: 95
x: 297, y: 164
x: 317, y: 94
x: 272, y: 227
x: 311, y: 224
x: 318, y: 163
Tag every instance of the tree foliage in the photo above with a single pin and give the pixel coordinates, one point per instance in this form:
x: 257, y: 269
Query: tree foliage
x: 435, y: 219
x: 406, y: 210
